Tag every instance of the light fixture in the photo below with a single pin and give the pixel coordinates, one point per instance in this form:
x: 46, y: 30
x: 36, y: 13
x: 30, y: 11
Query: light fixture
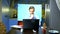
x: 5, y: 9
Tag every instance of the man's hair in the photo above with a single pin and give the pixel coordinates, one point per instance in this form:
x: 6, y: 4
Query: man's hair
x: 31, y: 7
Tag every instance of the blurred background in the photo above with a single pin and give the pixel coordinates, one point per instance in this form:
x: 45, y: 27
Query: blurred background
x: 50, y: 13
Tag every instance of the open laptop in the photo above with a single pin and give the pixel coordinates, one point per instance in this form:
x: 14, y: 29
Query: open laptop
x: 30, y: 23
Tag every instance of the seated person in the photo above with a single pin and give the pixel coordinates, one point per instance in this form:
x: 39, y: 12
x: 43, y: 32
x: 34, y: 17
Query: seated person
x: 32, y: 16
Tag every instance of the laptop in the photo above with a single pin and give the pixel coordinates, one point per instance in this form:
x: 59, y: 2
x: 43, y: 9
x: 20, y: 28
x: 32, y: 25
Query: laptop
x: 30, y: 23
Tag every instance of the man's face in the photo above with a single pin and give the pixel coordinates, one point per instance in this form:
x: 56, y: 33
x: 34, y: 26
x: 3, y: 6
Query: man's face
x: 31, y: 11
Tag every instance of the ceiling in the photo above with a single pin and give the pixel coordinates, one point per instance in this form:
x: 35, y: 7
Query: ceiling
x: 13, y: 3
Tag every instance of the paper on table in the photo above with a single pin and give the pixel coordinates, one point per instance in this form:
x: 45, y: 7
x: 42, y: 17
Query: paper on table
x: 16, y: 26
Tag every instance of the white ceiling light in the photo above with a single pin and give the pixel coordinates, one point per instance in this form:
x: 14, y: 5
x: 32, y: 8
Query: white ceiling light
x: 5, y: 9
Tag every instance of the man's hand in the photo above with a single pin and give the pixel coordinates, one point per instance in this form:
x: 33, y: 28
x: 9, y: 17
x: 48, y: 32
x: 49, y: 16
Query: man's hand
x: 31, y: 16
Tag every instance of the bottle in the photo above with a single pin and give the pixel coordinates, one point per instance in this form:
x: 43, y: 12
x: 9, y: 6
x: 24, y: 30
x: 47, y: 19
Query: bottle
x: 44, y: 28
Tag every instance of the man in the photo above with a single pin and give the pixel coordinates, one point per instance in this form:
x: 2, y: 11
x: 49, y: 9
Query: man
x: 32, y: 10
x: 32, y: 16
